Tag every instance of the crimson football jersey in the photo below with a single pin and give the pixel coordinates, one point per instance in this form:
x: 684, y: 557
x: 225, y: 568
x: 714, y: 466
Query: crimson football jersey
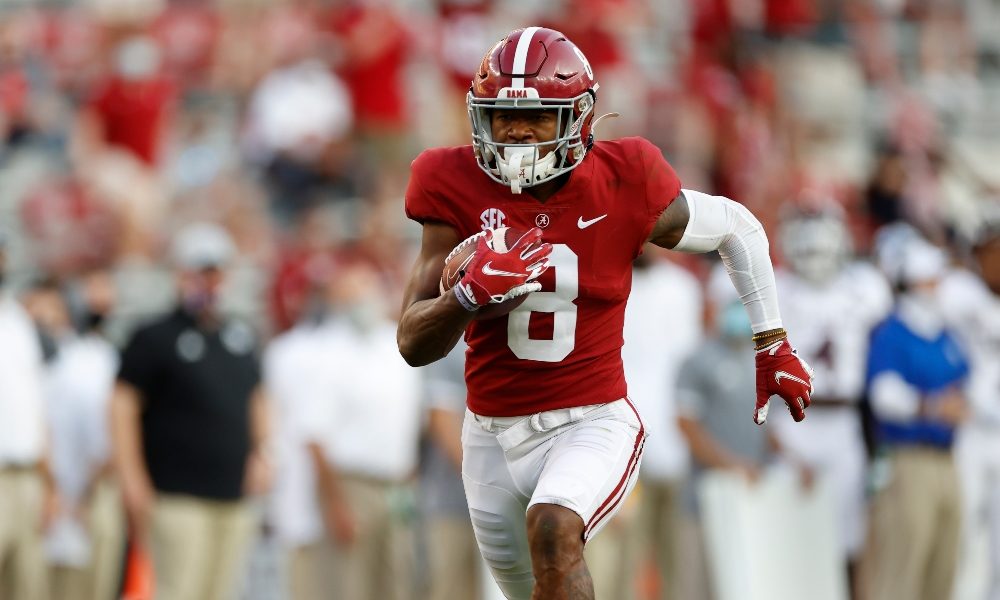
x: 562, y: 346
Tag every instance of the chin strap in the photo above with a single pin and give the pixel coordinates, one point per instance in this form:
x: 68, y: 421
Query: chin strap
x: 514, y: 171
x: 523, y: 159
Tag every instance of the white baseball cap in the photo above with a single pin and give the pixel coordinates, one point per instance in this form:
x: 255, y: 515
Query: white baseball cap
x: 922, y: 262
x: 200, y: 246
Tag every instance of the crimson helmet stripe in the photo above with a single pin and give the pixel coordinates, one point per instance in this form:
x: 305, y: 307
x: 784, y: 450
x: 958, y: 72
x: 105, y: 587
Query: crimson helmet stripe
x: 521, y: 56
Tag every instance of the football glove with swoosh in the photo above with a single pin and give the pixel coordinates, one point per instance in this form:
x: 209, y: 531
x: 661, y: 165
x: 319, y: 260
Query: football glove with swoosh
x: 781, y: 371
x: 492, y: 277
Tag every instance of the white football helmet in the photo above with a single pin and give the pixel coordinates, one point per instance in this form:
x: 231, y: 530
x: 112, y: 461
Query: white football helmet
x: 815, y: 246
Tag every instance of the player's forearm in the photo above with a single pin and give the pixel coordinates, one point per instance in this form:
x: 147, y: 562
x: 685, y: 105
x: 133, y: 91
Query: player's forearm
x: 327, y: 476
x: 260, y: 421
x: 704, y: 448
x: 429, y: 329
x: 126, y: 435
x: 720, y: 224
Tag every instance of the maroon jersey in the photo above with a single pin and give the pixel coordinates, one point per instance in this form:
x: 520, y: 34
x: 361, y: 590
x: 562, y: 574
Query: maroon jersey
x: 562, y: 346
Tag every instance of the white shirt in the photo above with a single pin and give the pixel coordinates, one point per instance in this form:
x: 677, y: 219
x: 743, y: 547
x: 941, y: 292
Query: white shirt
x: 292, y: 365
x: 830, y: 324
x: 663, y: 324
x: 298, y: 109
x: 78, y: 388
x: 369, y: 418
x: 22, y: 417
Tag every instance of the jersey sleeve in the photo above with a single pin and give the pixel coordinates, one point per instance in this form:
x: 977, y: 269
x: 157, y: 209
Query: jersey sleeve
x: 423, y: 202
x: 662, y: 184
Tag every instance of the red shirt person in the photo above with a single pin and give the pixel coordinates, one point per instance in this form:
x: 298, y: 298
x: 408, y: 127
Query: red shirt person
x: 552, y: 444
x: 131, y: 108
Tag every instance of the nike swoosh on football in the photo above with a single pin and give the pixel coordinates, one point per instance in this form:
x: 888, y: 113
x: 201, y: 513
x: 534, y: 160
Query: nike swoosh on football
x: 461, y: 267
x: 778, y: 375
x: 487, y: 270
x: 585, y: 224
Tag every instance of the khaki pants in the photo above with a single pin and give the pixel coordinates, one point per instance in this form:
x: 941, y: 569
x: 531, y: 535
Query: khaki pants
x: 309, y: 573
x: 377, y: 565
x: 607, y: 563
x: 67, y: 583
x: 654, y: 534
x: 106, y: 527
x: 199, y: 547
x: 913, y: 539
x: 310, y: 576
x: 453, y: 558
x: 22, y: 561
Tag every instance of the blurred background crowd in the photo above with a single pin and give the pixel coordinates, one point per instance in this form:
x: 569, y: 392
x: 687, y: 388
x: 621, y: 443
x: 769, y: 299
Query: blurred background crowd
x: 202, y: 247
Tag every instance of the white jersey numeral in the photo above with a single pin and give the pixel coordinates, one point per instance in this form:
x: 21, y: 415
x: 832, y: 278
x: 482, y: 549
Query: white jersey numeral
x: 559, y: 302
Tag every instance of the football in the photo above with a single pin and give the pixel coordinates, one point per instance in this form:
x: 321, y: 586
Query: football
x: 454, y: 269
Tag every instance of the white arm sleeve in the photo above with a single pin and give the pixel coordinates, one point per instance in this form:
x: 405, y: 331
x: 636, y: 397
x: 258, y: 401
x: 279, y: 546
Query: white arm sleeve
x: 894, y: 399
x: 718, y: 223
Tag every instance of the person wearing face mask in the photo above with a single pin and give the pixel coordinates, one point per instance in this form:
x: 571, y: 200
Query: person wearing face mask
x: 915, y: 376
x: 362, y: 436
x: 190, y: 429
x: 85, y: 541
x: 712, y: 420
x: 709, y: 405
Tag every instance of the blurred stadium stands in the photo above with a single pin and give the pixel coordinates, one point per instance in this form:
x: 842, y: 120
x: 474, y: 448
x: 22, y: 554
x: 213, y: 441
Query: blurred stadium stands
x: 292, y: 123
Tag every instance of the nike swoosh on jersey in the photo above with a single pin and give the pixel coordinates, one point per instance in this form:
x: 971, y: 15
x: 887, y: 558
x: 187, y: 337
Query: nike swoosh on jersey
x: 779, y: 375
x: 585, y: 224
x: 487, y: 270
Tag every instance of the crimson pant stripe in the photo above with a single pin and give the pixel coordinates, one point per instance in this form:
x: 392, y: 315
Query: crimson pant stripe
x: 636, y: 451
x: 611, y: 509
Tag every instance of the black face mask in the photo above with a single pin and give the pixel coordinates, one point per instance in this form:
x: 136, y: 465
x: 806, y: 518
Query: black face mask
x: 94, y: 319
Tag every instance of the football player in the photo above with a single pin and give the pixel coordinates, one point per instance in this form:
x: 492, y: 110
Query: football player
x: 972, y: 299
x: 832, y: 302
x: 551, y: 442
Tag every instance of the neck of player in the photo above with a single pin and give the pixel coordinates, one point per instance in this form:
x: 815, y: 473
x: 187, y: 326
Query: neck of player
x: 543, y: 191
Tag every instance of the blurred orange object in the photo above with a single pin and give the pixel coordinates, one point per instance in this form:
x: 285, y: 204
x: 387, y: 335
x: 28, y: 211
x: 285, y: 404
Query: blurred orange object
x: 138, y: 579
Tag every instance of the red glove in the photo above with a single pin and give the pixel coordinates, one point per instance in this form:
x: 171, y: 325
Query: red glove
x: 493, y: 277
x: 781, y: 371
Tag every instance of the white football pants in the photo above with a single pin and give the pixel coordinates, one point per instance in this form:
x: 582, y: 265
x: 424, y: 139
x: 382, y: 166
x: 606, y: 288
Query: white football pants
x: 584, y: 458
x: 830, y: 441
x: 977, y: 457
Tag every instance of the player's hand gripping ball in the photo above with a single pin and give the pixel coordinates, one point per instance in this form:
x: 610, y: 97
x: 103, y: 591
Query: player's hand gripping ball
x: 493, y: 271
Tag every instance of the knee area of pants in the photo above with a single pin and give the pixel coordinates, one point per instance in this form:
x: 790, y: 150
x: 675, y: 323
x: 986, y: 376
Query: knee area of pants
x: 496, y: 543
